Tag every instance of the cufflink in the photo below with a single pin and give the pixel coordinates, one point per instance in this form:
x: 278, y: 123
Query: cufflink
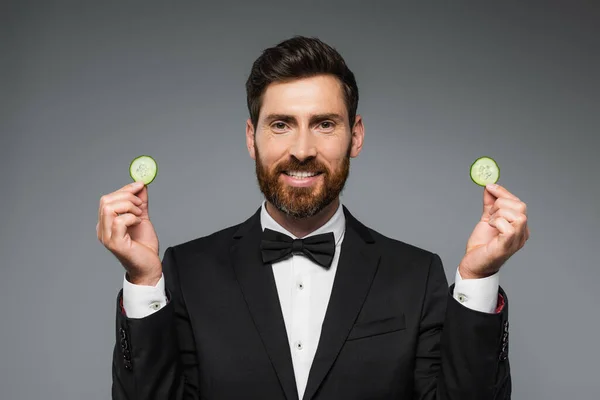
x: 462, y: 297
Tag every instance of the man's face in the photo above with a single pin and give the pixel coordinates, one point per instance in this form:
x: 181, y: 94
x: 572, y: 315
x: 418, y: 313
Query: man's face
x: 303, y: 143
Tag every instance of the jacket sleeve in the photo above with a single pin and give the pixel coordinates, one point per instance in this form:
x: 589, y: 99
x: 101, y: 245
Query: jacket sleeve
x: 155, y: 357
x: 462, y: 354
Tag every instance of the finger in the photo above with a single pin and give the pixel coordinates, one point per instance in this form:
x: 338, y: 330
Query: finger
x: 488, y: 201
x: 523, y: 240
x: 110, y: 211
x: 507, y: 231
x: 143, y: 196
x: 516, y: 219
x: 508, y: 214
x: 120, y: 207
x: 500, y: 191
x: 504, y: 202
x: 115, y: 196
x: 525, y: 237
x: 132, y: 187
x: 119, y: 228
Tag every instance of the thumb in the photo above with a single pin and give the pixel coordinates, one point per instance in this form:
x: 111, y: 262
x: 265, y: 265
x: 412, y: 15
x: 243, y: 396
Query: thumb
x: 488, y: 200
x: 143, y: 195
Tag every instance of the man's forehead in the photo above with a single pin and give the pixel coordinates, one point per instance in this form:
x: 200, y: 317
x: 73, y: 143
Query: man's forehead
x: 304, y: 98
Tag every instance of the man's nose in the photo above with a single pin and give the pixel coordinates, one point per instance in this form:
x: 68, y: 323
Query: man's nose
x: 304, y: 145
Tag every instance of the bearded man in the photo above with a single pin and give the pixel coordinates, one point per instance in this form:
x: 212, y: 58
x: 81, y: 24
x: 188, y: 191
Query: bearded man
x: 302, y: 300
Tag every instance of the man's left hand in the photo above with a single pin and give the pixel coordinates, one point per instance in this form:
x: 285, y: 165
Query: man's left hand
x: 501, y: 232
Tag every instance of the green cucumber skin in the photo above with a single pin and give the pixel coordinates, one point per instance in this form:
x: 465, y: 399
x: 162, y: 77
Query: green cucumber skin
x: 479, y: 158
x: 138, y: 157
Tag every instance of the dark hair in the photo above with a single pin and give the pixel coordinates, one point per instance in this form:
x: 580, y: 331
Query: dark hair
x: 298, y: 57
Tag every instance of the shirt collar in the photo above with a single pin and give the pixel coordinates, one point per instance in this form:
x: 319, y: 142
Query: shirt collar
x: 336, y: 224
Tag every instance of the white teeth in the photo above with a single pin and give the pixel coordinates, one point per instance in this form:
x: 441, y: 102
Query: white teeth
x: 297, y: 174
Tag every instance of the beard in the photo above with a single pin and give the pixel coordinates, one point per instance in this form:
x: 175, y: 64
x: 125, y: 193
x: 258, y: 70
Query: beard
x: 302, y: 202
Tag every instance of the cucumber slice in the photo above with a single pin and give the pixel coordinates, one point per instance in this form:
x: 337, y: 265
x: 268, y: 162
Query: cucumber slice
x: 485, y: 170
x: 143, y: 168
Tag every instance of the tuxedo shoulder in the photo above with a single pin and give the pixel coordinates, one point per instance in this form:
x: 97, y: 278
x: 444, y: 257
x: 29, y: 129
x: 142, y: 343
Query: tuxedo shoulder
x: 392, y: 245
x: 387, y: 244
x: 212, y: 241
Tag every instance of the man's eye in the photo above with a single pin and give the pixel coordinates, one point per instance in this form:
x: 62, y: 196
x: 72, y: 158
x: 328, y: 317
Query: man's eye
x: 328, y: 124
x: 279, y: 125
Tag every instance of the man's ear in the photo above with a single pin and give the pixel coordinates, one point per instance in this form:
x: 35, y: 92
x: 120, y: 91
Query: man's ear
x: 358, y: 136
x: 250, y: 138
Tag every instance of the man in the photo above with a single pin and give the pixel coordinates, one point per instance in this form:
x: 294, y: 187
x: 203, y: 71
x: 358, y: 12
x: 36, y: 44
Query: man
x: 303, y: 301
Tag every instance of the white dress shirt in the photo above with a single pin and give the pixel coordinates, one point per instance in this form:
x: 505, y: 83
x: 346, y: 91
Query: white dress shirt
x: 304, y: 289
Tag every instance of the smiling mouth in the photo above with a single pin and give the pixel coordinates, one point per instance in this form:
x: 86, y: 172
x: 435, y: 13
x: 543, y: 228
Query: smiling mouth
x: 301, y: 175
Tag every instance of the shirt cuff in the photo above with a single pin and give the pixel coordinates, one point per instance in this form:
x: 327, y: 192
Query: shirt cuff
x: 139, y: 301
x: 478, y: 294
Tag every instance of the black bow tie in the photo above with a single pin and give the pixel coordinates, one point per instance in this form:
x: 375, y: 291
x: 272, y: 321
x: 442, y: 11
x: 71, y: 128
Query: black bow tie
x: 276, y: 246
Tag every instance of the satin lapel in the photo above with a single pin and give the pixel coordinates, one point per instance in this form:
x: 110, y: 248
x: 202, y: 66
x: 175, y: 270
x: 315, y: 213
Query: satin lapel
x: 357, y: 266
x: 260, y: 292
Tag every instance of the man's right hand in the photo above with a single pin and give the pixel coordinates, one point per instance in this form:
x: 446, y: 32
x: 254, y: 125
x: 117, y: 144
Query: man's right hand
x: 125, y: 229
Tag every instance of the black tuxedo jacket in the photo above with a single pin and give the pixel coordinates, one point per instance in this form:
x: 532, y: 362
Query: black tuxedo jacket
x: 392, y: 329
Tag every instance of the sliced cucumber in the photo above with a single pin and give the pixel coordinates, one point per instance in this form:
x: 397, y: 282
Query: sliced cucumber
x: 143, y: 168
x: 485, y: 170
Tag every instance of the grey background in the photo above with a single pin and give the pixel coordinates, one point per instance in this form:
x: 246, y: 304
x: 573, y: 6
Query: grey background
x: 87, y: 86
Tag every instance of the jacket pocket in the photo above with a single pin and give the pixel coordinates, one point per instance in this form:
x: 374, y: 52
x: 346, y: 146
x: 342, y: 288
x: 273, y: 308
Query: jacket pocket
x: 377, y: 327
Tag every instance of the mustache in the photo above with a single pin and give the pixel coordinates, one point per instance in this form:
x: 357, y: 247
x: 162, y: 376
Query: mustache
x: 308, y: 165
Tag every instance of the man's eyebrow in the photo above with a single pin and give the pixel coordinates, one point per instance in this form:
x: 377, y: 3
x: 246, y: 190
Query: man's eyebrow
x: 313, y: 118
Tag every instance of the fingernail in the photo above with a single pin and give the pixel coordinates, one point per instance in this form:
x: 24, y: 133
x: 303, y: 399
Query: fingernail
x: 491, y: 186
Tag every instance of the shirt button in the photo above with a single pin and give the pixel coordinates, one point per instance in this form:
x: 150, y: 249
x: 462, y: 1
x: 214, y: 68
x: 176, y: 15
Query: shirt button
x: 299, y: 345
x: 462, y: 297
x: 155, y: 305
x: 300, y: 285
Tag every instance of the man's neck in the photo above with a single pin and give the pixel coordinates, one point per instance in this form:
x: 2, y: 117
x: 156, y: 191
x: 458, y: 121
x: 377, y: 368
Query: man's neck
x: 301, y: 227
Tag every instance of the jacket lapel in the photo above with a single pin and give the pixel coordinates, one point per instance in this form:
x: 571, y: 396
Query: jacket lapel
x: 260, y: 292
x: 357, y: 266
